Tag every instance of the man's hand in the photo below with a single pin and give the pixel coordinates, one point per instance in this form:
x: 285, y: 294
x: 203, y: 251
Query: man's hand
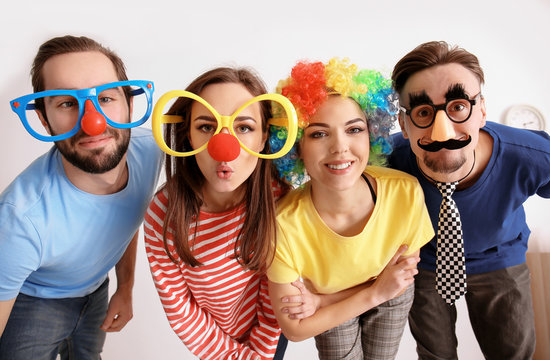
x: 119, y: 311
x: 120, y: 306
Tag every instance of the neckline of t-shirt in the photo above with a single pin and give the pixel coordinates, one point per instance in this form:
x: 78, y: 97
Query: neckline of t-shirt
x: 121, y: 192
x: 341, y: 238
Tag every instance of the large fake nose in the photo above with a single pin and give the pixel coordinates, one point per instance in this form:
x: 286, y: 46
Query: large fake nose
x: 442, y: 128
x: 92, y: 123
x: 224, y: 147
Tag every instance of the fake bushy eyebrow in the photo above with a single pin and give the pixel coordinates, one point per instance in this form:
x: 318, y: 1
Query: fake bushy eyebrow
x: 456, y: 91
x: 421, y: 98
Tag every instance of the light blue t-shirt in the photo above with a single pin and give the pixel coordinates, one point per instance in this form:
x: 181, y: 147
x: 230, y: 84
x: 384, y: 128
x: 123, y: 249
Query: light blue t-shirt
x: 58, y: 241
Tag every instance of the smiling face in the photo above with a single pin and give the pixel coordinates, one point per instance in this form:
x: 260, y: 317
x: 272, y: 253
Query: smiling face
x: 335, y: 145
x: 81, y: 70
x: 226, y: 98
x: 438, y: 85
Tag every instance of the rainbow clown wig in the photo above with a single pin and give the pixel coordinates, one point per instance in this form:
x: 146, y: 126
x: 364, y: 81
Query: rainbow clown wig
x: 309, y: 85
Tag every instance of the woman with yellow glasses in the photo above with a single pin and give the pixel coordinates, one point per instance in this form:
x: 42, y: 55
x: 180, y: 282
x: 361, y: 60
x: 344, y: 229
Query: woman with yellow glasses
x: 210, y: 230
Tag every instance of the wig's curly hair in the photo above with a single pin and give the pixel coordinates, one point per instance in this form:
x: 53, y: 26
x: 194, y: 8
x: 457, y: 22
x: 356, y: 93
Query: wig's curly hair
x: 309, y: 85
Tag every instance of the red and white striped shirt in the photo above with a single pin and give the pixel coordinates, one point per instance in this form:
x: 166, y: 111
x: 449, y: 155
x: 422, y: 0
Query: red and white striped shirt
x: 219, y: 310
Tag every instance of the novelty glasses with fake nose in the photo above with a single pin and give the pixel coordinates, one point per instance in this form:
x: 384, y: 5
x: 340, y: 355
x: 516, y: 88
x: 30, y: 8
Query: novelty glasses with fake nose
x: 91, y: 109
x: 226, y: 146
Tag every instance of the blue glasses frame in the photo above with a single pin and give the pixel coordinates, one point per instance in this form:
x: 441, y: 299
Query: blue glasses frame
x: 23, y: 104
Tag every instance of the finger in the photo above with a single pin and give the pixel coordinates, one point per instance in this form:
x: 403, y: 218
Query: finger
x: 296, y: 299
x: 299, y: 285
x: 109, y: 318
x: 407, y: 257
x: 412, y: 273
x: 118, y: 323
x: 293, y: 309
x: 409, y: 263
x: 399, y: 252
x: 302, y: 315
x: 409, y: 274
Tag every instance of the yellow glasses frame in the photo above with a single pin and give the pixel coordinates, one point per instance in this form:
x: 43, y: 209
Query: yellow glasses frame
x: 224, y: 121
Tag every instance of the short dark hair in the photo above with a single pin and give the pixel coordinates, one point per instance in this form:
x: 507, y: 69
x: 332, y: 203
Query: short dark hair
x: 69, y: 44
x: 65, y: 45
x: 431, y: 54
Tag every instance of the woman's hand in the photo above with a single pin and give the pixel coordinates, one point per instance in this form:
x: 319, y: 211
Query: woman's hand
x: 303, y: 305
x: 397, y: 276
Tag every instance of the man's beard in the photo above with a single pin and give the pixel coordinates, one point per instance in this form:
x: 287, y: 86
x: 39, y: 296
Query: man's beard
x: 443, y: 166
x: 436, y: 163
x: 95, y: 161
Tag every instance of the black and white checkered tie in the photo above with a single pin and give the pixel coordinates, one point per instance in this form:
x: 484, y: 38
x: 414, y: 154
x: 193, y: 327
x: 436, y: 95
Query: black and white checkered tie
x: 450, y: 265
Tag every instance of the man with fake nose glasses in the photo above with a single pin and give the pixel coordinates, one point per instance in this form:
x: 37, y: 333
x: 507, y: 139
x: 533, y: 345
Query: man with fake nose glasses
x: 476, y: 175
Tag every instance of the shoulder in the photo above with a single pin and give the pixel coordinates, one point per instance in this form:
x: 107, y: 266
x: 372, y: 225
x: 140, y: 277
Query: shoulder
x: 29, y: 186
x: 142, y: 141
x: 398, y: 142
x: 292, y: 202
x: 390, y: 175
x: 511, y: 138
x: 26, y: 201
x: 401, y: 157
x: 144, y: 156
x: 396, y: 186
x: 157, y: 208
x: 142, y: 134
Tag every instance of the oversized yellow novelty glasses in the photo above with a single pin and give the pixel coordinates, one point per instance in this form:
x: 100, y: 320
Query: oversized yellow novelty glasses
x: 223, y: 146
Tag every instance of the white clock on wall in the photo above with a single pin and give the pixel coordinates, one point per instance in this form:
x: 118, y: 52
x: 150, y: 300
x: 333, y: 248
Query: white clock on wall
x: 525, y: 117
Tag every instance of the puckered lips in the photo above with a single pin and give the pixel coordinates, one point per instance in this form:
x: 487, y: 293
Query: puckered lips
x: 224, y: 171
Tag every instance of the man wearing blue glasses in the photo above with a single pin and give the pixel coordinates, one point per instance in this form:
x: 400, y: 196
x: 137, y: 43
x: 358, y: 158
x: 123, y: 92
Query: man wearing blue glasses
x: 74, y: 213
x: 476, y: 175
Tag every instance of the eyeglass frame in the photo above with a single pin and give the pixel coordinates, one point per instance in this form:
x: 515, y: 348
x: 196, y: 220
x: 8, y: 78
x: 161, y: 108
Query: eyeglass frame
x: 443, y: 107
x: 22, y: 104
x: 224, y: 121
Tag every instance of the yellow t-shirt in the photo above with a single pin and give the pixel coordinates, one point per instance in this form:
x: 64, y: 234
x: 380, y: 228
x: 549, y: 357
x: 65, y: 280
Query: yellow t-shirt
x: 308, y: 248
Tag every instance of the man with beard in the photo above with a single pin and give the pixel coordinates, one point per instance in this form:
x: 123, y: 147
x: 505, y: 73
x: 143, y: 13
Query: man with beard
x: 75, y: 212
x: 476, y: 175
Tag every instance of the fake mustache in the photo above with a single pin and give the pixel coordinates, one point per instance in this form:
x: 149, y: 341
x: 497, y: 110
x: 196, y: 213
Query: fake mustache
x: 450, y: 144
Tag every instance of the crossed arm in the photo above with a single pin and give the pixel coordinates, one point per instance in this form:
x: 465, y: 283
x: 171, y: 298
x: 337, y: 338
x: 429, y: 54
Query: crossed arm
x: 334, y: 309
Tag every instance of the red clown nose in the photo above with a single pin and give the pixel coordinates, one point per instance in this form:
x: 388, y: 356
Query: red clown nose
x: 224, y: 147
x: 92, y: 123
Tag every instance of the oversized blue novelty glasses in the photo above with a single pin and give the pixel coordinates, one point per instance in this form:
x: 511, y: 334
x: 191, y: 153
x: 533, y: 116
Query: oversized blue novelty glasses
x: 55, y: 115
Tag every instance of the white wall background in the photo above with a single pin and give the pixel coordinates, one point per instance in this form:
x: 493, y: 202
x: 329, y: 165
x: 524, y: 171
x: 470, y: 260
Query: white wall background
x: 172, y: 42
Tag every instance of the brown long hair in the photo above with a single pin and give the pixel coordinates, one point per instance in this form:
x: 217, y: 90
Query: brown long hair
x: 431, y: 54
x: 255, y: 243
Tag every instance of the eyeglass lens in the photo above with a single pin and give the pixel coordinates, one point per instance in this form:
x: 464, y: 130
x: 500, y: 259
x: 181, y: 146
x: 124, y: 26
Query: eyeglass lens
x: 457, y: 110
x: 62, y: 110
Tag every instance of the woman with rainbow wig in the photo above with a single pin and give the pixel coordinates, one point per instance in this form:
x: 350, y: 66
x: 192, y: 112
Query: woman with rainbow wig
x: 350, y: 232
